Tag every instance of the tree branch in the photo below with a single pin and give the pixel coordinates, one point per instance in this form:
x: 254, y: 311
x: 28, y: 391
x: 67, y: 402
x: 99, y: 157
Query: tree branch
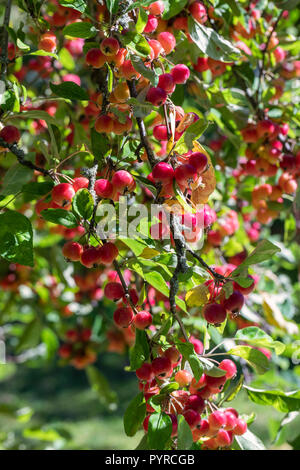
x: 4, y: 42
x: 143, y: 134
x: 20, y: 154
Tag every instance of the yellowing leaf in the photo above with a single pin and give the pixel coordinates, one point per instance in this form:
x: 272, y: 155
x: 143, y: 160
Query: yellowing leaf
x: 201, y: 194
x: 197, y: 296
x: 149, y: 253
x: 275, y: 317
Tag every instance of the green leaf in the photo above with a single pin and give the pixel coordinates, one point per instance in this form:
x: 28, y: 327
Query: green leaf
x: 79, y: 5
x: 14, y: 178
x: 172, y: 8
x: 184, y: 434
x: 70, y: 91
x: 159, y: 431
x: 287, y: 4
x: 37, y: 189
x: 192, y: 133
x: 210, y: 369
x: 66, y: 59
x: 135, y: 415
x: 188, y: 352
x: 211, y: 43
x: 80, y: 29
x: 35, y: 114
x: 155, y: 279
x: 141, y: 21
x: 42, y: 53
x: 100, y: 144
x: 258, y: 337
x: 140, y: 351
x: 264, y: 250
x: 254, y: 357
x: 281, y: 401
x: 112, y: 6
x: 147, y: 72
x: 83, y: 204
x: 16, y: 238
x: 100, y: 385
x: 143, y: 444
x: 249, y: 441
x: 136, y: 42
x: 61, y: 217
x: 31, y: 336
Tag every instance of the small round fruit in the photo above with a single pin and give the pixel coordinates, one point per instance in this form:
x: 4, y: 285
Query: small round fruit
x: 72, y: 251
x: 214, y: 313
x: 123, y: 317
x: 142, y: 320
x: 62, y: 194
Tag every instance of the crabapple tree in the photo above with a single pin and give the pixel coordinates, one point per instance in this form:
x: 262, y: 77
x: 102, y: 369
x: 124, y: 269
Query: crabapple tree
x: 184, y: 112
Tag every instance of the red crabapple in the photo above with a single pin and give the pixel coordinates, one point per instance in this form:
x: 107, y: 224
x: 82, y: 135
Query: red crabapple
x: 10, y: 134
x: 151, y: 25
x: 156, y: 47
x: 180, y: 73
x: 161, y: 366
x: 166, y: 82
x: 215, y: 383
x: 217, y: 420
x: 128, y: 71
x: 234, y: 303
x: 72, y: 251
x: 198, y: 11
x: 156, y: 8
x: 185, y: 173
x: 199, y: 161
x: 113, y: 290
x: 47, y: 42
x: 157, y: 96
x: 62, y: 194
x: 230, y: 420
x: 224, y: 438
x: 160, y: 132
x: 110, y: 46
x: 163, y: 172
x: 80, y: 183
x: 167, y: 41
x: 192, y: 417
x: 240, y: 427
x: 107, y: 253
x: 195, y: 402
x: 144, y: 372
x: 230, y: 368
x: 104, y: 188
x: 245, y: 290
x: 90, y: 257
x: 122, y: 179
x: 104, y: 124
x: 123, y: 317
x: 214, y: 313
x: 183, y: 378
x: 173, y: 354
x: 95, y: 58
x: 142, y: 320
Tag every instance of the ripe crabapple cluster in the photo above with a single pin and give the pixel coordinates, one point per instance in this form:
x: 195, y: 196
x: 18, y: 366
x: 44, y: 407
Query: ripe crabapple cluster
x: 214, y: 427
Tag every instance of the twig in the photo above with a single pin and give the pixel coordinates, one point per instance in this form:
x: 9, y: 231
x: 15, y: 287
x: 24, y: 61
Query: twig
x: 4, y: 42
x: 143, y: 134
x: 207, y: 267
x: 124, y: 285
x: 20, y: 154
x: 180, y: 268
